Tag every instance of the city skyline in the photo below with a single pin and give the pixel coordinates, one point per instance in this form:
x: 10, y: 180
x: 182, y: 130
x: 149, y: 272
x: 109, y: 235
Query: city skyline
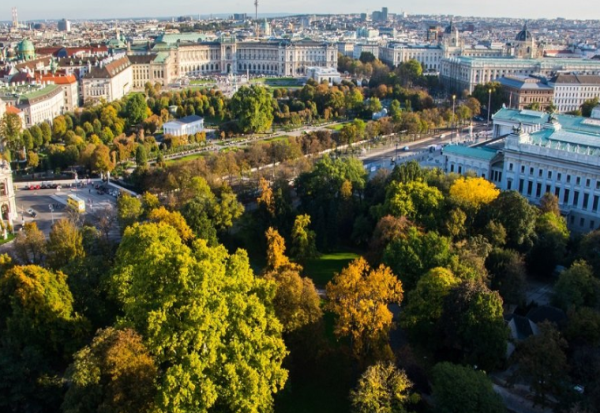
x: 70, y: 9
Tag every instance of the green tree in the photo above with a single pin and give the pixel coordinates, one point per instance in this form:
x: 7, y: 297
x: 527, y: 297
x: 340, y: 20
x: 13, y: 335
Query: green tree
x: 46, y: 132
x: 541, y: 359
x: 588, y: 105
x: 114, y: 374
x: 206, y: 319
x: 359, y: 297
x: 374, y: 105
x: 417, y: 201
x: 59, y: 127
x: 303, y: 239
x: 507, y: 274
x: 395, y: 110
x: 577, y: 287
x: 65, y: 244
x: 516, y: 215
x: 38, y: 332
x: 30, y: 244
x: 411, y: 257
x: 425, y: 305
x: 136, y: 109
x: 549, y: 245
x: 36, y: 134
x: 10, y: 131
x: 382, y: 388
x: 482, y: 93
x: 141, y: 158
x: 460, y: 389
x: 129, y: 210
x: 473, y: 322
x: 252, y: 108
x: 589, y: 250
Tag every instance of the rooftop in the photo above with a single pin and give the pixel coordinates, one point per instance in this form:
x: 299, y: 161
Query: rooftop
x: 483, y: 153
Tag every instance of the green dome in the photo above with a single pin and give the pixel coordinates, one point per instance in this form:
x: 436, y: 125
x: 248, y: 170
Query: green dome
x: 25, y: 50
x: 25, y: 46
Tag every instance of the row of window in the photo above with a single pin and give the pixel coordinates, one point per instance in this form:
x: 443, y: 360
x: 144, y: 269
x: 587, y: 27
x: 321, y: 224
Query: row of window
x: 578, y: 180
x: 527, y: 188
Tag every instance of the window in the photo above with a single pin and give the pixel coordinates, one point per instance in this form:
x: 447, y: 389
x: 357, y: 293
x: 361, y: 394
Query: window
x: 529, y: 188
x: 549, y: 174
x: 521, y: 183
x: 538, y: 191
x: 578, y: 180
x: 509, y: 184
x: 597, y: 184
x: 568, y: 179
x: 559, y: 176
x: 530, y: 171
x: 540, y: 172
x: 595, y: 205
x: 572, y: 219
x: 587, y: 182
x: 575, y: 198
x: 592, y: 224
x: 566, y: 196
x: 522, y: 169
x: 581, y: 222
x: 586, y: 200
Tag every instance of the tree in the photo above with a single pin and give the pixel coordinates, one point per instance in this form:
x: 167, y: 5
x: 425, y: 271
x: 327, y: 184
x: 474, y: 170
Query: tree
x: 425, y: 305
x: 541, y: 359
x: 549, y: 203
x: 382, y: 388
x: 367, y: 57
x: 101, y: 159
x: 395, y: 110
x: 115, y: 373
x: 471, y: 193
x: 516, y: 215
x: 589, y: 250
x: 30, y: 244
x: 46, y: 132
x: 59, y: 127
x: 388, y: 229
x: 481, y: 92
x: 549, y: 245
x: 303, y: 239
x: 174, y: 219
x: 276, y: 258
x: 65, y: 244
x: 252, y: 108
x: 296, y: 302
x: 577, y: 287
x: 473, y: 323
x: 136, y: 109
x: 38, y: 332
x: 460, y: 389
x: 508, y: 276
x: 129, y: 210
x: 141, y: 158
x: 415, y: 200
x: 411, y: 257
x: 374, y: 105
x: 33, y: 159
x: 206, y: 319
x: 588, y: 105
x: 10, y: 130
x: 359, y: 297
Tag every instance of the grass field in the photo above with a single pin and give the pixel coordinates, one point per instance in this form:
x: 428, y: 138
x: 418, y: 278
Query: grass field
x: 276, y: 139
x: 9, y: 238
x: 321, y: 270
x: 337, y: 127
x: 185, y: 158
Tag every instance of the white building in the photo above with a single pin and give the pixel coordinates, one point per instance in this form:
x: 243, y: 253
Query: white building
x: 188, y: 125
x: 319, y: 74
x: 572, y: 90
x: 8, y: 207
x: 110, y: 80
x: 42, y: 104
x: 546, y: 155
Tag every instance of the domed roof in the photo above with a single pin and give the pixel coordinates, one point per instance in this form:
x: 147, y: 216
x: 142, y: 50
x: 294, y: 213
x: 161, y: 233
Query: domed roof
x: 524, y: 35
x: 25, y: 46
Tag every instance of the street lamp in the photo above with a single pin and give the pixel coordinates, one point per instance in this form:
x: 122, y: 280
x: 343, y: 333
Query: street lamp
x: 489, y: 105
x: 453, y: 116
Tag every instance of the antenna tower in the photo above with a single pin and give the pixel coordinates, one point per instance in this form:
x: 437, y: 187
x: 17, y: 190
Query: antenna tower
x: 15, y: 18
x: 256, y: 9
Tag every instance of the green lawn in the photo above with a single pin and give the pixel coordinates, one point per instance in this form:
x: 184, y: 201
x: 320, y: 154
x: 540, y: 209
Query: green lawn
x: 9, y: 238
x: 276, y: 139
x: 337, y: 127
x: 185, y: 158
x: 321, y: 270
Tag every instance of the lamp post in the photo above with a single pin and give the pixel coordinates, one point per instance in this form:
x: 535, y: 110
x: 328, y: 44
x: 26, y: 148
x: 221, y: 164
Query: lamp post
x: 453, y: 117
x: 489, y: 105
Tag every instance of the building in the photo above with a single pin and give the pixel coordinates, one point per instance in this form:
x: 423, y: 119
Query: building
x: 521, y: 92
x: 464, y: 73
x: 149, y: 68
x: 571, y: 90
x: 189, y: 54
x: 361, y: 48
x: 8, y: 206
x: 329, y: 74
x: 111, y: 80
x: 69, y: 86
x: 25, y: 50
x: 429, y: 56
x: 550, y: 154
x: 37, y: 103
x: 188, y: 125
x: 64, y: 25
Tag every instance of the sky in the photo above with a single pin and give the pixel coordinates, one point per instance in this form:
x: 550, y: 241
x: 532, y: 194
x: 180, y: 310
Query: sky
x: 104, y: 9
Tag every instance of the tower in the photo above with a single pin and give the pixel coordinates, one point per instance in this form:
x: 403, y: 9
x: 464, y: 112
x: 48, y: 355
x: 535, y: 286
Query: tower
x: 15, y: 18
x: 256, y: 9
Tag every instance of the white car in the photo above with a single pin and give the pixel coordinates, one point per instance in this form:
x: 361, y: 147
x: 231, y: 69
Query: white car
x: 406, y: 148
x: 32, y: 212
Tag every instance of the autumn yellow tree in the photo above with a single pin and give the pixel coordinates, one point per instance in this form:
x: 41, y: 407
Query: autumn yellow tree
x: 174, y: 219
x: 359, y: 296
x: 472, y: 193
x: 266, y: 198
x: 276, y: 258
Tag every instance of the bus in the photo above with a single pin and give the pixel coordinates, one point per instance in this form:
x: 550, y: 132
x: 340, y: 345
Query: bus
x: 76, y: 203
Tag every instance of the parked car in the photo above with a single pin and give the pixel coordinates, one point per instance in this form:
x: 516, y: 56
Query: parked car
x: 32, y: 212
x: 406, y: 148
